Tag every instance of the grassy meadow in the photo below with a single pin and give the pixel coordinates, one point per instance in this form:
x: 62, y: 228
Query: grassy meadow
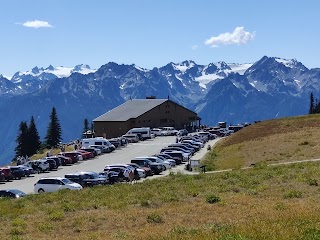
x: 273, y: 141
x: 263, y: 202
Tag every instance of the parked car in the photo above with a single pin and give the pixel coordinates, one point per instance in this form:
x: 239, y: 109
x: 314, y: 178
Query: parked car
x: 52, y: 184
x: 86, y: 179
x: 56, y: 159
x: 52, y: 163
x: 146, y: 169
x: 75, y: 157
x: 111, y: 176
x: 85, y: 155
x: 157, y: 132
x: 119, y: 170
x: 115, y: 141
x: 143, y: 162
x: 17, y: 172
x: 103, y: 148
x: 64, y: 160
x: 182, y: 132
x: 38, y: 165
x: 94, y: 151
x: 7, y: 174
x: 140, y: 172
x: 11, y: 193
x: 166, y: 156
x: 2, y: 178
x: 27, y: 170
x: 131, y: 138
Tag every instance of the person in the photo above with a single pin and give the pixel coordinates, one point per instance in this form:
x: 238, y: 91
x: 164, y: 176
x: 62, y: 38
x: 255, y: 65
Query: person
x: 177, y: 139
x: 136, y: 174
x: 110, y: 178
x: 209, y: 147
x: 75, y: 146
x: 18, y: 161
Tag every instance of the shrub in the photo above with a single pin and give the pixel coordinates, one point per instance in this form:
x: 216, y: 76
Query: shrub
x: 292, y: 194
x: 312, y: 182
x: 213, y: 199
x: 154, y: 218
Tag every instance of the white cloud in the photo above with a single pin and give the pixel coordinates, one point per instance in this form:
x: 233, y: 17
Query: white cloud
x: 238, y: 36
x: 36, y: 24
x: 194, y: 47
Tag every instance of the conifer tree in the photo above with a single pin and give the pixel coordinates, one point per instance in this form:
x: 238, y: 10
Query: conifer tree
x: 86, y: 125
x: 33, y: 138
x: 22, y: 140
x: 53, y: 137
x: 312, y: 107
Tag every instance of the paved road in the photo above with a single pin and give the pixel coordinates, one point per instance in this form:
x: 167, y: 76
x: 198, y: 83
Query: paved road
x: 121, y: 155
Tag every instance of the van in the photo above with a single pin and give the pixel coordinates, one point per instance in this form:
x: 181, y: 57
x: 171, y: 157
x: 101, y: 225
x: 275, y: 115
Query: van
x: 145, y: 132
x: 169, y: 131
x: 86, y: 142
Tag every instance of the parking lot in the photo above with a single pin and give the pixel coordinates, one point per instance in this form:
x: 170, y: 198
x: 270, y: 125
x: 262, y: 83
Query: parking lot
x: 120, y: 155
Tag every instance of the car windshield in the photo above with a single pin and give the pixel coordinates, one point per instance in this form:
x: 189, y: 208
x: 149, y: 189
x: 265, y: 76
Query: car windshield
x: 17, y: 192
x: 93, y: 175
x: 66, y: 181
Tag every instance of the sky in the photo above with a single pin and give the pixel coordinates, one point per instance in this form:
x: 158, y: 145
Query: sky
x: 151, y: 33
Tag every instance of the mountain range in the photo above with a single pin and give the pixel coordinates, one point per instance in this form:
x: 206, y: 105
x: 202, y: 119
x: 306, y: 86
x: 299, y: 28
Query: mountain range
x: 269, y: 88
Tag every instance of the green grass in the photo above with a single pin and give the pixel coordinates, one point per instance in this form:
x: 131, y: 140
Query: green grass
x: 279, y: 199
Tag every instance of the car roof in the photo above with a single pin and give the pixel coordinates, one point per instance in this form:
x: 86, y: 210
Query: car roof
x: 58, y: 178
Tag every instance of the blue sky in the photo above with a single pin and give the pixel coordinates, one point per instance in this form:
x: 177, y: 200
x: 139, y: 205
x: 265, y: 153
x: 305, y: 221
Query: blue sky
x: 153, y: 33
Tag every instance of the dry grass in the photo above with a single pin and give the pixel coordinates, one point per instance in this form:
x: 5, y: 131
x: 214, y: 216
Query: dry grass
x: 267, y: 142
x: 55, y: 151
x: 260, y: 203
x: 280, y: 202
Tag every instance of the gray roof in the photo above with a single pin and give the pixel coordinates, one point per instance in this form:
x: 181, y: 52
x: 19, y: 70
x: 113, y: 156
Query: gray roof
x: 130, y: 109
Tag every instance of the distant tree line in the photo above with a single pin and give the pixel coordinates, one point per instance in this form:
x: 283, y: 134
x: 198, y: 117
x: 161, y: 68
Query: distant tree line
x: 28, y: 140
x: 314, y: 105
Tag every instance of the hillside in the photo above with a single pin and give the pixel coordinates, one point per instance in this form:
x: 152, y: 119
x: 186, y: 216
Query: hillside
x: 280, y: 202
x: 267, y: 142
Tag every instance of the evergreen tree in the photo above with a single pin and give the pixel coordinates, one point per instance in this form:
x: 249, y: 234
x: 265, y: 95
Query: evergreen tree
x: 53, y: 137
x: 34, y: 139
x: 22, y: 140
x: 86, y: 125
x: 316, y: 108
x: 312, y: 107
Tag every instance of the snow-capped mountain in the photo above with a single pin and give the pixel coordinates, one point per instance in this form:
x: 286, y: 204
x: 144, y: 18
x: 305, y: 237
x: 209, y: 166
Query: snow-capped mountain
x: 33, y: 80
x: 271, y: 87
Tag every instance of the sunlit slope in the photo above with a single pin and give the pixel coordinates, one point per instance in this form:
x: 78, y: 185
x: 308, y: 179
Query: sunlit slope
x: 273, y: 141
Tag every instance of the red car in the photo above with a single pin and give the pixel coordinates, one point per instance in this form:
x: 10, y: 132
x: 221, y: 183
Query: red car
x: 75, y: 157
x: 86, y: 155
x: 7, y: 173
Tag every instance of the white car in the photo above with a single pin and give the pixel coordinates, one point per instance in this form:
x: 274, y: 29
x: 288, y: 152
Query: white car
x: 53, y: 184
x: 141, y: 172
x: 157, y: 131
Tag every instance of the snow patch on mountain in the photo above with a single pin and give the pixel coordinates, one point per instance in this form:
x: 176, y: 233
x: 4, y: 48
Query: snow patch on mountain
x: 207, y: 78
x: 59, y: 71
x: 223, y: 70
x: 239, y: 68
x: 286, y: 62
x: 140, y: 68
x: 183, y: 66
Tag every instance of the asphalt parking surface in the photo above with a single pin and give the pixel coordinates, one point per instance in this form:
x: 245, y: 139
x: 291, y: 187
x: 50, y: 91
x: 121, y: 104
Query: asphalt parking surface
x: 120, y: 155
